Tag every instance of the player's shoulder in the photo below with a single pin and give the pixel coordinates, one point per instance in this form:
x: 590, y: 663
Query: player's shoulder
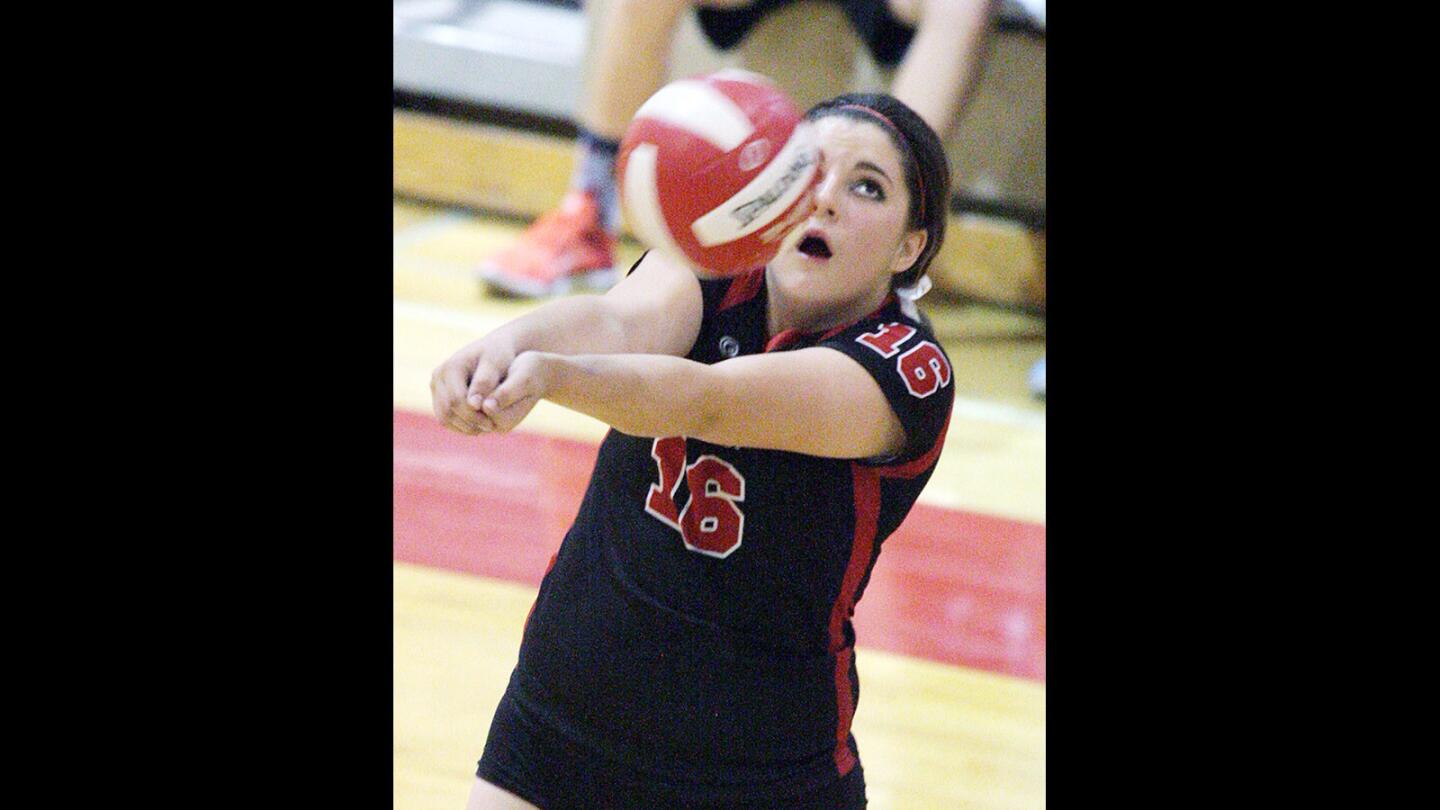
x: 900, y: 348
x: 889, y: 331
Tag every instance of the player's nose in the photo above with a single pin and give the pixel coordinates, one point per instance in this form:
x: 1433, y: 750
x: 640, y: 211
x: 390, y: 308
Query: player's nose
x: 827, y: 193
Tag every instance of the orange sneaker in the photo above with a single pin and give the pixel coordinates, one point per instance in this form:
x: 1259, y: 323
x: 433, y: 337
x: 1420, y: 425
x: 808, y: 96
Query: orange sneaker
x: 562, y: 250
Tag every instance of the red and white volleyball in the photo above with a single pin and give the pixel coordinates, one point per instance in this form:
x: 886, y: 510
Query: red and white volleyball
x: 716, y: 170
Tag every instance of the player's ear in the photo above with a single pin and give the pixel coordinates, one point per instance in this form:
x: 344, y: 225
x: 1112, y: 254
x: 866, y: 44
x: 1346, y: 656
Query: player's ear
x: 909, y: 249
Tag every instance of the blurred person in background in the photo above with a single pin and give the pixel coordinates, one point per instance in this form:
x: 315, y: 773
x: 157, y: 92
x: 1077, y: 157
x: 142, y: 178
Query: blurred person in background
x: 937, y: 45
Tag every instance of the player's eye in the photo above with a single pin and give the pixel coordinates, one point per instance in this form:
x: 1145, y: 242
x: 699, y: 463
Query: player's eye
x: 869, y: 189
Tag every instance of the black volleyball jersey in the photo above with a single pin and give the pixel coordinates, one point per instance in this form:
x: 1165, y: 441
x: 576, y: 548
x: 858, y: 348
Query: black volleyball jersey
x: 695, y: 623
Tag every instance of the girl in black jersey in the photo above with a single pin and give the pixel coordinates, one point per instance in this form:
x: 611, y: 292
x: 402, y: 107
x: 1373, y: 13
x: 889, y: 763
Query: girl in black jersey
x: 691, y: 644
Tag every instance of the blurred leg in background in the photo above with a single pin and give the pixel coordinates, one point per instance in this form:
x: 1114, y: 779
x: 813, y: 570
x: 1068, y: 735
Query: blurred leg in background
x: 575, y: 244
x: 937, y: 43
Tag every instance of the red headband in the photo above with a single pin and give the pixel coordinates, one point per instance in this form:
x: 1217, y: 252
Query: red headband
x: 920, y: 178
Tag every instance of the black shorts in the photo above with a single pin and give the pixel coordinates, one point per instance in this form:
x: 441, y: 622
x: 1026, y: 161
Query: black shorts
x: 887, y: 37
x: 532, y: 761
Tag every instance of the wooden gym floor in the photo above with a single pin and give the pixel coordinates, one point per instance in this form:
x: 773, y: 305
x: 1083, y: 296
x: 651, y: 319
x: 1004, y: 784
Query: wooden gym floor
x: 951, y: 632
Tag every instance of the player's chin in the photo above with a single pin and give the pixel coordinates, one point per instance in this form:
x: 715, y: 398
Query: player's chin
x: 790, y: 267
x: 799, y: 280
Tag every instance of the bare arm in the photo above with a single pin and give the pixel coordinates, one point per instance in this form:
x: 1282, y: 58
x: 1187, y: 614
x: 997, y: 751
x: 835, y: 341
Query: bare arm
x: 815, y: 401
x: 656, y: 309
x: 940, y: 70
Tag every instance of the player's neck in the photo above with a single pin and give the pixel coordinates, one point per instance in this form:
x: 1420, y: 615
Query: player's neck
x: 783, y: 314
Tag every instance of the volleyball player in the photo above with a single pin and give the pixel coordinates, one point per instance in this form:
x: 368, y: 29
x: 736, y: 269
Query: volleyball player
x: 691, y: 644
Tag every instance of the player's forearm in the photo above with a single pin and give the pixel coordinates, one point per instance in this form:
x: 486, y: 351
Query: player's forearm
x: 583, y: 323
x: 638, y: 394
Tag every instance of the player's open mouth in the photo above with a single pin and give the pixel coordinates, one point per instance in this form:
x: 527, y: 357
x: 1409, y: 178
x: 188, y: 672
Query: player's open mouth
x: 814, y: 246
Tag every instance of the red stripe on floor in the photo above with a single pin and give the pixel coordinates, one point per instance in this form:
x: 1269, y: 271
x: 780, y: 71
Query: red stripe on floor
x: 951, y: 586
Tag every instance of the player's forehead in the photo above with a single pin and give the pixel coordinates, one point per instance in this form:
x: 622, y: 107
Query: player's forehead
x: 847, y: 142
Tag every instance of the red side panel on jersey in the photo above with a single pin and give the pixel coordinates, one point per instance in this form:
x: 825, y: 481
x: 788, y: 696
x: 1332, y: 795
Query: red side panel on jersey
x: 867, y: 514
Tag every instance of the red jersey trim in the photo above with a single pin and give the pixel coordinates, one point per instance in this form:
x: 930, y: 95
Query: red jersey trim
x: 743, y: 288
x: 790, y: 336
x: 553, y: 558
x: 862, y: 545
x: 783, y: 339
x: 910, y: 469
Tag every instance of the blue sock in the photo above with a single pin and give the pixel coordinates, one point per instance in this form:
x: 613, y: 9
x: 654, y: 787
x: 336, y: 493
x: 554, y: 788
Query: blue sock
x: 595, y: 172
